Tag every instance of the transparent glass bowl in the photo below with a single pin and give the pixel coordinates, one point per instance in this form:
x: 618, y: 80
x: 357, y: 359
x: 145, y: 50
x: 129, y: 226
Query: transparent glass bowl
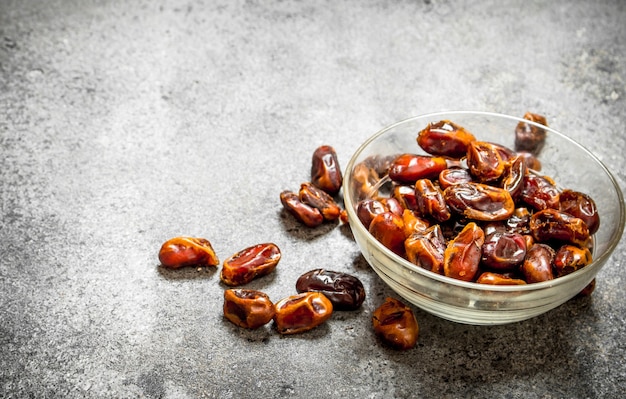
x: 567, y: 162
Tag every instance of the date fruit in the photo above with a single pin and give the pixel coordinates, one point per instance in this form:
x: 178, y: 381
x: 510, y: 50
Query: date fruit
x: 250, y: 263
x: 395, y: 324
x: 445, y: 138
x: 310, y: 216
x: 570, y: 258
x: 537, y: 266
x: 478, y: 201
x: 345, y: 291
x: 325, y: 170
x: 484, y: 161
x: 407, y: 168
x: 430, y: 201
x: 553, y: 225
x: 498, y: 279
x: 388, y: 228
x: 503, y: 251
x: 529, y: 137
x: 187, y: 251
x: 301, y: 312
x: 248, y: 308
x: 426, y: 249
x: 463, y: 253
x: 319, y: 199
x: 580, y: 205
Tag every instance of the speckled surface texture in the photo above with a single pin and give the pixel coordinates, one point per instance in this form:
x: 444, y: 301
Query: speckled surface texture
x: 123, y: 124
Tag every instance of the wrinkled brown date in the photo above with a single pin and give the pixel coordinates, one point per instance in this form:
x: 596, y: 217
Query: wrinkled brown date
x: 407, y: 168
x: 498, y: 279
x: 426, y: 249
x: 388, y: 228
x: 248, y: 308
x: 540, y: 192
x: 187, y: 251
x: 452, y: 176
x: 310, y: 216
x: 580, y: 205
x: 503, y: 251
x: 320, y: 199
x: 463, y: 253
x: 395, y: 324
x: 479, y: 201
x: 301, y: 312
x: 513, y: 177
x: 345, y: 291
x: 537, y: 266
x: 484, y: 161
x: 570, y: 258
x: 367, y: 209
x: 325, y: 170
x: 530, y: 137
x: 430, y: 202
x: 405, y: 195
x: 445, y: 138
x: 553, y: 225
x: 250, y: 263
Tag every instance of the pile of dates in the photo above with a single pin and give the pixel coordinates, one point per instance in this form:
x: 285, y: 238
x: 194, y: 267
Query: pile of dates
x: 477, y: 211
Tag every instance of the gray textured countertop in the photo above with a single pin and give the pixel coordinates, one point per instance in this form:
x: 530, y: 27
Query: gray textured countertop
x: 123, y: 124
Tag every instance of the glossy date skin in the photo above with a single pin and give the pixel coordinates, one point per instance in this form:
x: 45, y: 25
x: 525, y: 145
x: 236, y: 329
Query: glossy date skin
x: 183, y: 251
x: 580, y: 205
x: 345, y: 291
x: 498, y: 279
x: 479, y: 201
x: 503, y: 251
x: 407, y: 168
x: 426, y: 249
x: 553, y: 225
x: 463, y: 254
x: 248, y: 308
x: 451, y: 176
x: 395, y: 324
x: 302, y: 312
x: 310, y: 216
x: 445, y: 138
x: 250, y: 263
x: 388, y: 228
x: 317, y: 198
x: 540, y: 192
x: 430, y: 201
x: 484, y: 161
x: 537, y: 265
x: 325, y: 170
x: 570, y: 258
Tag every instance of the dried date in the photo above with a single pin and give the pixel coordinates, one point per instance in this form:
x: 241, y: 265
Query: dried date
x: 430, y: 201
x: 580, y: 205
x: 484, y: 161
x: 250, y: 263
x: 570, y: 258
x: 317, y: 198
x: 498, y: 279
x: 463, y: 253
x: 426, y: 249
x: 445, y: 138
x: 407, y: 168
x: 345, y: 291
x: 553, y: 225
x: 310, y: 216
x: 479, y: 201
x: 537, y: 265
x: 503, y: 251
x: 395, y: 324
x: 388, y: 229
x: 325, y: 170
x: 248, y: 308
x: 529, y: 137
x: 187, y: 251
x: 301, y: 312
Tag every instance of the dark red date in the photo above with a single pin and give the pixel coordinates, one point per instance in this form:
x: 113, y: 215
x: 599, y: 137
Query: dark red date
x: 503, y: 251
x: 580, y: 205
x: 325, y: 170
x: 537, y: 266
x: 310, y: 216
x: 426, y: 249
x: 430, y: 201
x: 345, y: 291
x: 553, y: 225
x: 462, y: 255
x: 317, y: 198
x: 407, y: 168
x: 479, y: 201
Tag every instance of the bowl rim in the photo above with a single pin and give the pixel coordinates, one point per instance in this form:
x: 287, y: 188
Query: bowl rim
x: 356, y: 224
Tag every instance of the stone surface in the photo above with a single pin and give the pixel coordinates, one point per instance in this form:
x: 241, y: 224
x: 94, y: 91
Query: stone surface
x: 123, y: 124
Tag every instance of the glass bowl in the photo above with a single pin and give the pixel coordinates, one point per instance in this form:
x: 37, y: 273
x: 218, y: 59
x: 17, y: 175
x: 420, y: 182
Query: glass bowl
x: 567, y: 162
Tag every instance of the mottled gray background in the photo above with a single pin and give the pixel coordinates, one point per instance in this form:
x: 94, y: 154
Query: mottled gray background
x: 125, y: 123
